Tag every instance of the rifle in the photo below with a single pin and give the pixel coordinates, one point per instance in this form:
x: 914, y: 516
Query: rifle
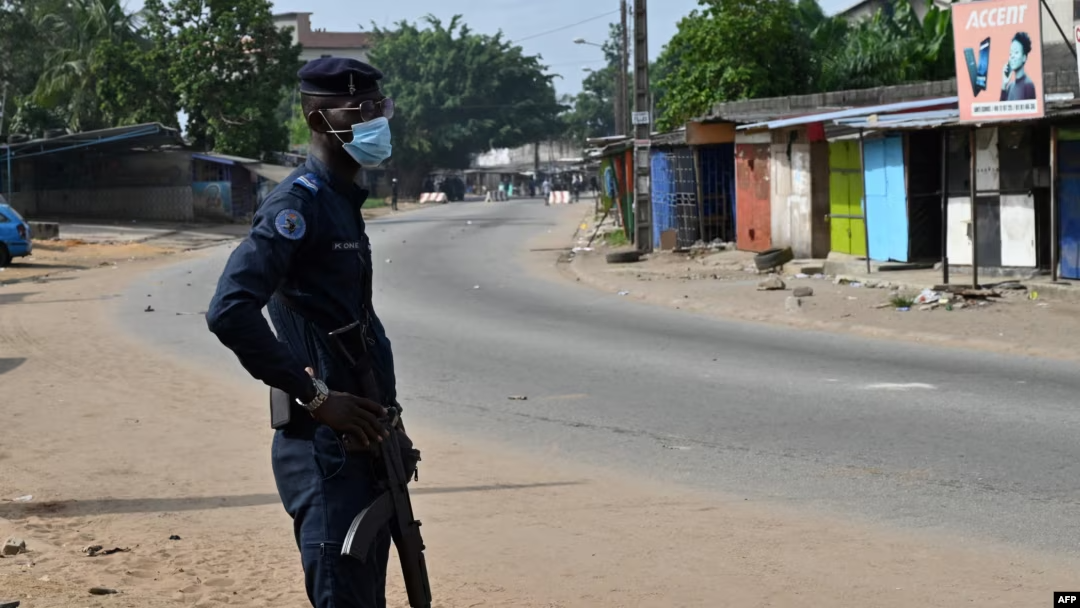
x: 393, y: 506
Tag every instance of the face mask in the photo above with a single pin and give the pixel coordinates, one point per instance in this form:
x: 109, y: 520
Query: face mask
x: 370, y: 145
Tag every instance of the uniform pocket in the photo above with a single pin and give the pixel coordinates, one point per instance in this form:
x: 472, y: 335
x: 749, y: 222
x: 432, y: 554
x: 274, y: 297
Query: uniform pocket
x: 328, y: 451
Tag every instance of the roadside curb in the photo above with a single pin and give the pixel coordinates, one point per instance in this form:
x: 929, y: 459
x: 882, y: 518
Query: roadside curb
x: 1063, y: 292
x: 793, y: 321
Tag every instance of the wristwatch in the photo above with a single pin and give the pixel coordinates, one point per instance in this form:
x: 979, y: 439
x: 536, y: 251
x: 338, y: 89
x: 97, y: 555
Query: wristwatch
x: 321, y: 393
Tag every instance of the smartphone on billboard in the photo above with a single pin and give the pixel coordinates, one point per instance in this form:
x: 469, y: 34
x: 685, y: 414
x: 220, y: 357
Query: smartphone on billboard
x: 969, y: 56
x: 984, y: 64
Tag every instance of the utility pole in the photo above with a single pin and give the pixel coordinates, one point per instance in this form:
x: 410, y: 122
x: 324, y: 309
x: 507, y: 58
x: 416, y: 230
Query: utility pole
x: 7, y: 146
x: 642, y: 131
x: 622, y: 122
x: 3, y: 106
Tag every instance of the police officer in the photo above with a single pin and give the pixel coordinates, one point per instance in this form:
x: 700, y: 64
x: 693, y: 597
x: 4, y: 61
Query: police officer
x: 308, y: 260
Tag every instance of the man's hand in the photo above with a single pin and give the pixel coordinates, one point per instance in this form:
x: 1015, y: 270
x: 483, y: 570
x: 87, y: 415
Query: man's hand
x: 352, y: 417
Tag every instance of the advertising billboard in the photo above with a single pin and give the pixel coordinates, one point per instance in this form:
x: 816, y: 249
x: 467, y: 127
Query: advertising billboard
x: 999, y: 63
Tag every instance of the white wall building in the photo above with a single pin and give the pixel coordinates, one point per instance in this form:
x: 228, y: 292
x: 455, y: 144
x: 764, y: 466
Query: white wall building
x: 321, y: 43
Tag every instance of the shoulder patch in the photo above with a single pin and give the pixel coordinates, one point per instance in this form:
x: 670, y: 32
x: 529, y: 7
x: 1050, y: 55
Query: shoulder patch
x: 290, y: 224
x: 309, y: 182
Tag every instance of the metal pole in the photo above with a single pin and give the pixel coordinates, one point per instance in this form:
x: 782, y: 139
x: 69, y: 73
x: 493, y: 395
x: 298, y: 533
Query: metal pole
x: 865, y: 215
x: 974, y: 218
x: 1068, y: 41
x: 616, y: 102
x: 700, y: 192
x: 945, y: 207
x: 642, y: 131
x: 1055, y: 238
x: 623, y: 126
x: 7, y: 146
x: 3, y: 107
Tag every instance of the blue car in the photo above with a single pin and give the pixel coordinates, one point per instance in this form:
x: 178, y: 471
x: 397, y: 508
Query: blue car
x: 14, y: 235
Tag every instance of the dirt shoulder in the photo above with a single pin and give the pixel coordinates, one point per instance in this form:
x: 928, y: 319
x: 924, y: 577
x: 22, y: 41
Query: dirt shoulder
x: 85, y: 245
x: 1030, y: 321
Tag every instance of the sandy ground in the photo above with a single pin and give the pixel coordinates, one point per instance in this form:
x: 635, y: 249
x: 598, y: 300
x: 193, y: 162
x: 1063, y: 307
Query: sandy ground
x: 108, y: 245
x: 725, y: 284
x: 123, y: 447
x: 57, y: 257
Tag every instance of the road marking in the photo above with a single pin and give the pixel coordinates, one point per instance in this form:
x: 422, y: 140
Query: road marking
x: 889, y: 386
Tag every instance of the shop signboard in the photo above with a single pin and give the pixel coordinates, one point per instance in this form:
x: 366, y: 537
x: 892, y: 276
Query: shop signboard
x: 999, y: 60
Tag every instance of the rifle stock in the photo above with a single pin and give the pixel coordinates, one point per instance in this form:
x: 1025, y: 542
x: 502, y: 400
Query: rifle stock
x: 393, y: 507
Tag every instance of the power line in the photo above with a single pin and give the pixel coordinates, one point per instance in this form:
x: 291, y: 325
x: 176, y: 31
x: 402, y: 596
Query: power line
x: 556, y: 65
x: 566, y: 27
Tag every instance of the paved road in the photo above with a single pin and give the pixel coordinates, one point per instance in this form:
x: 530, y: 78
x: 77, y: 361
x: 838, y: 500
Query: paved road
x: 976, y: 444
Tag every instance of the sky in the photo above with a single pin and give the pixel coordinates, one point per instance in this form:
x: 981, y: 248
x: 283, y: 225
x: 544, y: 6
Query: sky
x: 529, y: 22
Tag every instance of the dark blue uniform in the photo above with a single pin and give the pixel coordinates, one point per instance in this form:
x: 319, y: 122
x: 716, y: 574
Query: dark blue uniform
x: 308, y: 260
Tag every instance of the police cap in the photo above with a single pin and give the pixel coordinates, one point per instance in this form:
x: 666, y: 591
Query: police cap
x: 338, y: 76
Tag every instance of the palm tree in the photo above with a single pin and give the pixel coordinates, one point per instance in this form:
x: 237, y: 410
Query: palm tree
x: 72, y: 30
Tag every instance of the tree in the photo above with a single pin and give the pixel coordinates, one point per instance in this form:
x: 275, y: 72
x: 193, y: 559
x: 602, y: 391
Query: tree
x: 457, y: 94
x: 129, y: 86
x: 21, y: 50
x: 79, y: 65
x: 742, y: 49
x: 733, y: 49
x: 75, y: 33
x: 229, y: 65
x: 593, y: 109
x: 890, y: 48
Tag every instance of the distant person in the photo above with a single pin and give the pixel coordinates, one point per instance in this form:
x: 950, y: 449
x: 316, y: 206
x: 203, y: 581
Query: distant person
x: 394, y: 194
x: 1021, y: 88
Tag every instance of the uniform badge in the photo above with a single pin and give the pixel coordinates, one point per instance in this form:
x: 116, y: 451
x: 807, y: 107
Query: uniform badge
x: 290, y: 224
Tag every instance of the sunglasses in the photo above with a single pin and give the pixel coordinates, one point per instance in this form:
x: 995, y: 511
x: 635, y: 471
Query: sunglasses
x: 369, y: 110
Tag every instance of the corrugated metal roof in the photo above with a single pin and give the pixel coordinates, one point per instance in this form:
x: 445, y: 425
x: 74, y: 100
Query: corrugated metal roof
x: 937, y: 118
x: 891, y: 118
x: 670, y: 138
x: 853, y: 112
x: 274, y: 173
x: 148, y: 135
x: 914, y: 120
x: 224, y: 159
x: 926, y: 123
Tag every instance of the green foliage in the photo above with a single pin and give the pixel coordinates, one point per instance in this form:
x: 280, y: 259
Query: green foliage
x: 890, y: 48
x: 228, y: 64
x: 21, y: 50
x: 743, y: 49
x: 80, y: 65
x: 77, y: 35
x: 299, y: 131
x: 593, y: 109
x: 733, y: 49
x: 129, y: 84
x: 616, y: 238
x: 459, y: 93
